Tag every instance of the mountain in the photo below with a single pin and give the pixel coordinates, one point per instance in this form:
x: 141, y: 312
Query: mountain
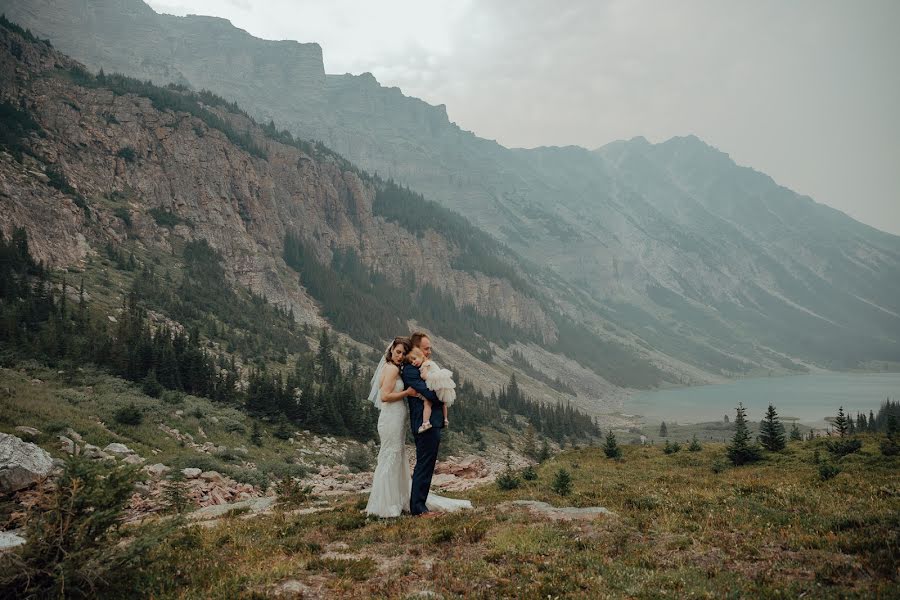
x: 130, y: 188
x: 701, y: 267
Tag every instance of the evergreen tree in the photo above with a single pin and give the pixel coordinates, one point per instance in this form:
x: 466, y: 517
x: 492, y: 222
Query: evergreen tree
x: 742, y: 450
x: 256, y: 434
x: 529, y: 447
x: 771, y: 431
x: 694, y: 445
x: 663, y: 430
x: 562, y: 483
x: 611, y: 449
x: 544, y: 452
x: 861, y: 424
x: 840, y: 423
x: 872, y: 421
x: 796, y: 436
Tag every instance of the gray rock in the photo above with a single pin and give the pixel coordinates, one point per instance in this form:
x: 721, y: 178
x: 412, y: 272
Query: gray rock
x: 142, y: 488
x: 28, y: 430
x: 93, y: 452
x: 66, y: 445
x: 563, y: 514
x: 11, y: 539
x: 116, y: 448
x: 157, y: 470
x: 69, y: 432
x: 191, y: 472
x: 133, y: 459
x: 213, y: 476
x: 21, y: 463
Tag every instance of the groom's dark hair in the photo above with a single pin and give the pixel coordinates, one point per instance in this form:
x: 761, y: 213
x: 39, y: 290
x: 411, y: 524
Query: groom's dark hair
x: 415, y: 338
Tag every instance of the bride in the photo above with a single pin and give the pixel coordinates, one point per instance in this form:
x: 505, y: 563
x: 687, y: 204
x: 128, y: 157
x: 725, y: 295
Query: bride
x: 391, y: 482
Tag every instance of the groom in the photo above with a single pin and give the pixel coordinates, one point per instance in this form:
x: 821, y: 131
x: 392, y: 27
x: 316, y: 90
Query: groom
x: 427, y: 443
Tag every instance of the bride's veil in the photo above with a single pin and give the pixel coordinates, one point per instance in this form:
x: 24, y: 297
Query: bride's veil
x: 375, y: 391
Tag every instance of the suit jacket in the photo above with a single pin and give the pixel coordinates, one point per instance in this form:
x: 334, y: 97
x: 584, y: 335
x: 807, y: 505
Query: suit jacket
x: 413, y: 378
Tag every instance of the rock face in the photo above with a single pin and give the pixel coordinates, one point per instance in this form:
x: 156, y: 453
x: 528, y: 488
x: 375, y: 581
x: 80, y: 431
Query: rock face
x: 692, y: 254
x: 21, y: 464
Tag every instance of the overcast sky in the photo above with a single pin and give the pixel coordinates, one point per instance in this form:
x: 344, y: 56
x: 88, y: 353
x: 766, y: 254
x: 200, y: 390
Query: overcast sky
x: 806, y: 91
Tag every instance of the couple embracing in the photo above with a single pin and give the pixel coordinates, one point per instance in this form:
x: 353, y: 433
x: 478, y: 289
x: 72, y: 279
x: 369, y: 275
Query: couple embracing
x: 400, y: 392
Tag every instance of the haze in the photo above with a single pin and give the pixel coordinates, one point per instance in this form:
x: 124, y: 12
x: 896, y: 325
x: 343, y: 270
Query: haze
x: 804, y: 91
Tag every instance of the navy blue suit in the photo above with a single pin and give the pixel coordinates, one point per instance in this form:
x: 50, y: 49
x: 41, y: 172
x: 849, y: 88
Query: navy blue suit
x: 427, y: 443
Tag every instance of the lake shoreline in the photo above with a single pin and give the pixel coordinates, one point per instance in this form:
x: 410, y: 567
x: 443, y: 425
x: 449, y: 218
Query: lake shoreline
x: 794, y: 396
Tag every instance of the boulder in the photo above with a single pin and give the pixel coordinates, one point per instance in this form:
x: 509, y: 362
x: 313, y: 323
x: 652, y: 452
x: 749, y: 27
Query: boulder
x: 191, y: 473
x: 212, y: 476
x: 66, y: 445
x: 21, y: 463
x: 116, y: 448
x: 157, y: 470
x: 28, y: 430
x: 93, y: 452
x: 71, y: 433
x: 133, y: 459
x: 11, y: 539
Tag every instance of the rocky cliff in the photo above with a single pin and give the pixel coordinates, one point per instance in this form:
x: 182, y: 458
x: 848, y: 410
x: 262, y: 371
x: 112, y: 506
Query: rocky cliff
x: 702, y: 263
x: 100, y: 167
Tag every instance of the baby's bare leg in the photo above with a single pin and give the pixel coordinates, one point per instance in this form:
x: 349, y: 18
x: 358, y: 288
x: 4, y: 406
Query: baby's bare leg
x: 446, y: 413
x: 426, y: 412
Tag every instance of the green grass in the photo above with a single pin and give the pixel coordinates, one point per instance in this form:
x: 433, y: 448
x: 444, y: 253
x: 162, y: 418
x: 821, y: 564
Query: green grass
x: 680, y: 530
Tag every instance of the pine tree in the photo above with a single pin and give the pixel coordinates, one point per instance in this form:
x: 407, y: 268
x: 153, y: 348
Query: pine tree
x: 840, y: 423
x: 611, y: 449
x: 861, y: 424
x: 742, y: 450
x: 694, y: 445
x: 771, y: 431
x: 562, y: 483
x: 256, y: 435
x: 663, y: 430
x: 528, y: 447
x: 544, y: 453
x: 872, y: 421
x: 796, y: 436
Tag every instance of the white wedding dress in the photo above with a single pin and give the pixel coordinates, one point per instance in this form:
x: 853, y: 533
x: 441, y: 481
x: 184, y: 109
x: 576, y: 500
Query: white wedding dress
x: 391, y: 483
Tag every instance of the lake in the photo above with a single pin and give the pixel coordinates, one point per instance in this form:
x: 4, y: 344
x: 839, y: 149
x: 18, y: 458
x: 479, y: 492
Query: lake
x: 809, y: 398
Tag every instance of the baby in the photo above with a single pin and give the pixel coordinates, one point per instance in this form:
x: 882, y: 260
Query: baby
x: 438, y: 380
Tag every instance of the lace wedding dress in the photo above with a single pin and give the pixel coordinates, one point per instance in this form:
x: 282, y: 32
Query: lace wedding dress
x: 391, y: 482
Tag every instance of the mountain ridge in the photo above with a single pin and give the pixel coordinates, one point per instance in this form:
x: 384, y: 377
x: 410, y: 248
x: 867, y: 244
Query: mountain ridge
x: 683, y: 252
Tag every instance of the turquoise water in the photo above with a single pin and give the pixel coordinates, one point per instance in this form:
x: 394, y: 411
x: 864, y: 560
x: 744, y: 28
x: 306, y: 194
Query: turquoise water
x: 810, y: 398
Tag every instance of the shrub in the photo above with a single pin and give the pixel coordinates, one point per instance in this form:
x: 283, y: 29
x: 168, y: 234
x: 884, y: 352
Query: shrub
x: 671, y: 447
x: 507, y: 480
x: 843, y: 446
x: 889, y: 447
x: 129, y: 415
x: 828, y: 471
x: 151, y: 386
x: 72, y: 548
x: 694, y: 445
x: 175, y: 494
x: 291, y: 493
x: 173, y: 397
x: 128, y: 154
x: 124, y: 214
x: 529, y: 474
x: 562, y: 483
x: 358, y: 459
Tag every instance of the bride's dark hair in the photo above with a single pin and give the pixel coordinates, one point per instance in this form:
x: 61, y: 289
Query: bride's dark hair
x: 403, y: 341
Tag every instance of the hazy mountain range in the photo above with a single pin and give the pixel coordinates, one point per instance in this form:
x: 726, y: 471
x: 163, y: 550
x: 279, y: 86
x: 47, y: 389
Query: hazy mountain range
x: 674, y: 260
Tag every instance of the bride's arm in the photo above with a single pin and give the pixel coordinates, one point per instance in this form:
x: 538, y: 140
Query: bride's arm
x: 389, y: 379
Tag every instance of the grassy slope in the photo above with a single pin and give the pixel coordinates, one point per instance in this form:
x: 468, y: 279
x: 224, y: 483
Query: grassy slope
x: 768, y: 530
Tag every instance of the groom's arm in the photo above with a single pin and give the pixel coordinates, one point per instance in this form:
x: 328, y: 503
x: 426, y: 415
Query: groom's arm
x: 412, y: 378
